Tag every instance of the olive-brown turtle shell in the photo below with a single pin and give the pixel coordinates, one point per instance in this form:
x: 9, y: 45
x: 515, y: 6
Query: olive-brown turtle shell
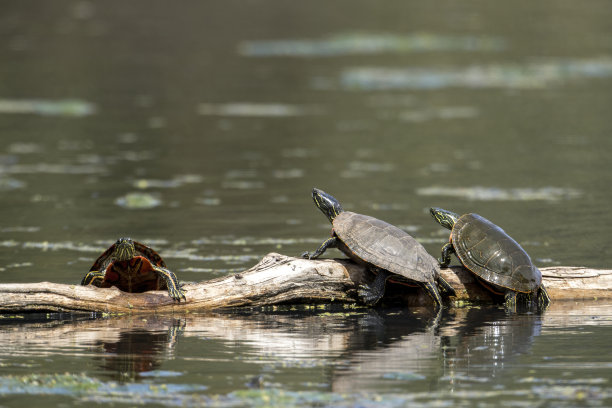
x: 491, y: 254
x: 370, y: 240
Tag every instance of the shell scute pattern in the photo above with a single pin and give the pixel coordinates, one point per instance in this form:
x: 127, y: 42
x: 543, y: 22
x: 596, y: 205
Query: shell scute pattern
x: 485, y: 249
x: 385, y: 246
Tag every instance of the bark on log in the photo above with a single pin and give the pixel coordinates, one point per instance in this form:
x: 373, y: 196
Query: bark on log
x: 278, y: 279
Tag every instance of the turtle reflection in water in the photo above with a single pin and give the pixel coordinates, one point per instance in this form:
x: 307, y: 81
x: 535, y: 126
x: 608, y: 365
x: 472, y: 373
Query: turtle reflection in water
x: 492, y: 255
x: 133, y: 267
x: 386, y: 250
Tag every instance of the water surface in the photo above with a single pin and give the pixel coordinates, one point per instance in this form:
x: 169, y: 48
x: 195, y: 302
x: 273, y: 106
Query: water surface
x: 201, y: 129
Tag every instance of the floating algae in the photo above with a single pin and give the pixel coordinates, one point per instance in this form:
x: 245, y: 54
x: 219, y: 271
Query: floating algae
x: 138, y: 201
x: 368, y: 44
x: 246, y: 109
x: 500, y: 194
x: 60, y: 107
x: 531, y: 75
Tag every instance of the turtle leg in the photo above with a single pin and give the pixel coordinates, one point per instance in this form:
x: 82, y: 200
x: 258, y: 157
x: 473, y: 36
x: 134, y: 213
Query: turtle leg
x: 328, y: 243
x: 543, y: 298
x: 94, y: 278
x: 432, y: 290
x: 445, y: 257
x: 445, y: 287
x: 175, y: 289
x: 371, y: 294
x: 510, y: 299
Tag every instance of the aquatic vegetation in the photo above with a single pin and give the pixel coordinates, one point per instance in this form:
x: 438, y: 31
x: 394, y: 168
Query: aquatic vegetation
x: 256, y: 109
x: 368, y: 44
x: 59, y: 107
x: 9, y: 184
x: 177, y: 181
x: 138, y: 201
x: 529, y: 75
x: 443, y: 113
x: 502, y: 194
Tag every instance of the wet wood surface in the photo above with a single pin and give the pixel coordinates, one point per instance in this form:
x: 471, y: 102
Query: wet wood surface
x: 279, y: 279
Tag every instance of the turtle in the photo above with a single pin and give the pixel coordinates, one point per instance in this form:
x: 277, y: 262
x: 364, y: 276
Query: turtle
x: 485, y: 249
x: 133, y: 267
x: 387, y: 251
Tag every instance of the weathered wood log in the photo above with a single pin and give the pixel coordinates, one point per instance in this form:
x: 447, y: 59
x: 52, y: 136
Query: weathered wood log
x: 279, y: 279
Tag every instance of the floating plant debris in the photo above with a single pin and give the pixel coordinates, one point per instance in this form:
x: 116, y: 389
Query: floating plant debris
x: 256, y: 109
x: 174, y: 182
x: 8, y: 184
x: 531, y: 75
x: 60, y: 107
x: 138, y: 201
x: 368, y: 44
x: 494, y: 193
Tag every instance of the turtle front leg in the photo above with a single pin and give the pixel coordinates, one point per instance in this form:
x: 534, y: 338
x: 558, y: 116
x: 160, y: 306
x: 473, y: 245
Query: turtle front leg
x: 174, y: 287
x: 328, y: 243
x: 445, y: 257
x: 94, y: 278
x: 371, y: 294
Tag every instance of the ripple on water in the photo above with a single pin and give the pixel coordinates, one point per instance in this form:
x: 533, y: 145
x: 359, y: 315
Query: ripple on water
x: 480, y: 193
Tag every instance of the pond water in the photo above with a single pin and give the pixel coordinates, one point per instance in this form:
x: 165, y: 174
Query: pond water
x: 200, y: 130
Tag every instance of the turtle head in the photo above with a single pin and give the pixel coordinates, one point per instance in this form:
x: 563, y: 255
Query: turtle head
x: 326, y: 203
x: 124, y: 249
x: 444, y: 217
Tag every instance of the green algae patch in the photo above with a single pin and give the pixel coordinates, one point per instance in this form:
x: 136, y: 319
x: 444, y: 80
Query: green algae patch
x: 48, y: 384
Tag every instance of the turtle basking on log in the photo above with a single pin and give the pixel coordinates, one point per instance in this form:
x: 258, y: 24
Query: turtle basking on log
x: 133, y: 267
x: 485, y: 249
x: 384, y: 249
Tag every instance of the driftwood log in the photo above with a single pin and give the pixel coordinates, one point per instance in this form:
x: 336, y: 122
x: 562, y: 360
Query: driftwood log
x: 279, y: 279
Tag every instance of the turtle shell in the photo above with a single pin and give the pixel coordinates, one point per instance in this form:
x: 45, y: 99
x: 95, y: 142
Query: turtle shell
x: 369, y: 240
x: 135, y: 275
x: 490, y: 253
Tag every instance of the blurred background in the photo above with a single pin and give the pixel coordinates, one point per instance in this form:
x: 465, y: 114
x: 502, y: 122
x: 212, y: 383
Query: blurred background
x: 200, y: 128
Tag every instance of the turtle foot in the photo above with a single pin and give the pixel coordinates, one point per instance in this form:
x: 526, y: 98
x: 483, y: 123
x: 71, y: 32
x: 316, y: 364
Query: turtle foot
x: 305, y: 255
x: 367, y: 295
x: 177, y: 294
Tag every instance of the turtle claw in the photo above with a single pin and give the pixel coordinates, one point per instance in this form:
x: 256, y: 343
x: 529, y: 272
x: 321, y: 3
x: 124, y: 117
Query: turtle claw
x: 177, y: 294
x: 367, y: 295
x: 305, y: 255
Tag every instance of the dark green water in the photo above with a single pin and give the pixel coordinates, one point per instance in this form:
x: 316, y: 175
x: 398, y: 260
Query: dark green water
x: 201, y: 128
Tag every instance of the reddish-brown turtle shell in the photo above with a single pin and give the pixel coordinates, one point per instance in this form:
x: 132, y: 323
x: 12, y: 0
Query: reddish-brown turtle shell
x: 135, y: 275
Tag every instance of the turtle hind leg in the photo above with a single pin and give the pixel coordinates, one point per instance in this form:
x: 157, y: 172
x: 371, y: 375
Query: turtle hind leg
x: 175, y: 289
x: 510, y: 300
x: 94, y: 278
x: 432, y: 290
x: 445, y: 288
x: 371, y: 294
x: 543, y: 298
